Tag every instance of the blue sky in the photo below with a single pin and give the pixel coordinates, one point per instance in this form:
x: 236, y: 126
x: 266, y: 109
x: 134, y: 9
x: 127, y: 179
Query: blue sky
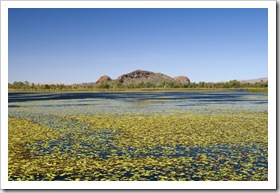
x: 80, y: 45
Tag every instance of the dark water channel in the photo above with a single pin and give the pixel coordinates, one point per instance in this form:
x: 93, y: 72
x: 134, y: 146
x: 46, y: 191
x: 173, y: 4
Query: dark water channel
x: 230, y: 96
x: 120, y: 102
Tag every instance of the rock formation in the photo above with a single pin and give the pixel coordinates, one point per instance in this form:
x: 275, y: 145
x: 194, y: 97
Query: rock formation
x: 143, y: 76
x: 135, y: 74
x: 138, y: 76
x: 103, y: 79
x: 182, y: 79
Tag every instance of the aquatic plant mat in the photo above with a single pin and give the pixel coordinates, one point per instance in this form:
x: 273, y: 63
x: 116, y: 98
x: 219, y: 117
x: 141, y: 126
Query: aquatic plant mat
x: 217, y: 142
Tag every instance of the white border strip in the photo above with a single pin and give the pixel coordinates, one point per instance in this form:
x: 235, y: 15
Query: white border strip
x: 4, y: 95
x: 272, y: 94
x: 140, y: 185
x: 270, y: 184
x: 138, y: 4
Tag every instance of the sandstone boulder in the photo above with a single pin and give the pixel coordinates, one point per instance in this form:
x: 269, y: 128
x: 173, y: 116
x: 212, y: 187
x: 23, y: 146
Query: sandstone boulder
x: 182, y: 79
x: 103, y: 79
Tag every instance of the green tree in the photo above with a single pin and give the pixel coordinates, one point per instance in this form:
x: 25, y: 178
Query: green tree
x: 33, y: 86
x: 201, y: 84
x: 150, y: 85
x: 104, y: 85
x: 141, y: 84
x: 46, y: 86
x: 234, y: 84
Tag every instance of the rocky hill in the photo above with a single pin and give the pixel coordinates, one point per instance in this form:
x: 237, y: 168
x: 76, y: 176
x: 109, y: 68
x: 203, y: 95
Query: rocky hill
x: 254, y: 80
x: 182, y: 79
x: 138, y: 76
x: 103, y: 79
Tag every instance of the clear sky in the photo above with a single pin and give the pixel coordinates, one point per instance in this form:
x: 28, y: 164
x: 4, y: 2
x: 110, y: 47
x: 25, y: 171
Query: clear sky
x: 80, y: 45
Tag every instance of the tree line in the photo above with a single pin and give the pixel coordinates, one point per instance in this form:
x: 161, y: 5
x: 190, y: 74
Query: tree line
x: 116, y: 85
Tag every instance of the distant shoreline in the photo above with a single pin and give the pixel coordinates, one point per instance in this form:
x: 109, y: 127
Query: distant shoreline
x: 258, y: 90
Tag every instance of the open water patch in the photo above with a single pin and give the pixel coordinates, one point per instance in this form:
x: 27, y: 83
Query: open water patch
x: 158, y: 102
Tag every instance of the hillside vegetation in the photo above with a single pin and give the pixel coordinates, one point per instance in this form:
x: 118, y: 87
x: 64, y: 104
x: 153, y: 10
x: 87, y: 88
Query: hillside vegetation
x: 141, y: 80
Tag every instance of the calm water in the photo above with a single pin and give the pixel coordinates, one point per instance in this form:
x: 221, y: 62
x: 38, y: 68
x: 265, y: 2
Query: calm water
x: 139, y: 102
x: 47, y: 108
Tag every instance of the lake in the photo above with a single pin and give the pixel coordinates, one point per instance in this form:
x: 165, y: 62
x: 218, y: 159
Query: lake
x: 139, y: 136
x: 157, y: 102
